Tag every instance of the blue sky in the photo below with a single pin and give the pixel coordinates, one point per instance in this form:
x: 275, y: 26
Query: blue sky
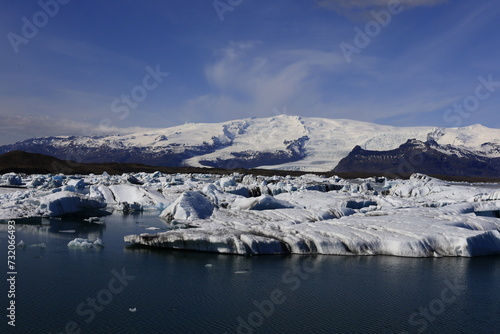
x: 247, y: 58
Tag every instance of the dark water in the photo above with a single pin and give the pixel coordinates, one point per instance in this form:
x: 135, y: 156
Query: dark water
x: 61, y: 290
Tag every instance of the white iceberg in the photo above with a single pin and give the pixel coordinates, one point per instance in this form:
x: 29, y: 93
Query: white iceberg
x: 310, y: 214
x: 264, y: 202
x: 409, y: 235
x: 64, y: 202
x: 85, y: 243
x: 188, y: 206
x: 420, y: 217
x: 14, y: 180
x: 133, y: 197
x: 76, y: 183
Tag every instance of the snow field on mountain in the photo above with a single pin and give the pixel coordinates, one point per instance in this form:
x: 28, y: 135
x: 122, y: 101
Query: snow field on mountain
x: 323, y: 142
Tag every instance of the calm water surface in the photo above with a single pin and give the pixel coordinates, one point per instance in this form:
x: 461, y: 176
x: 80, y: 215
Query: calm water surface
x: 62, y: 290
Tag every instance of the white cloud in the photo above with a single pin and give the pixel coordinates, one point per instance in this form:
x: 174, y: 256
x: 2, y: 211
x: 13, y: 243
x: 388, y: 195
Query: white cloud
x: 15, y: 128
x: 248, y: 82
x: 251, y: 82
x: 358, y: 9
x: 363, y: 4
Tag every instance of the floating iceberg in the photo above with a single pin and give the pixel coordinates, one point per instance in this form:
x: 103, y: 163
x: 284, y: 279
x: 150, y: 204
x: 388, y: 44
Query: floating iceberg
x: 190, y: 205
x: 14, y: 180
x: 310, y: 214
x: 264, y: 202
x: 409, y: 235
x: 85, y: 243
x: 64, y: 202
x: 419, y: 217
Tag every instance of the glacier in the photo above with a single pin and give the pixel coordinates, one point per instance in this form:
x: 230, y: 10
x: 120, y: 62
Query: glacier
x: 281, y: 142
x: 253, y: 215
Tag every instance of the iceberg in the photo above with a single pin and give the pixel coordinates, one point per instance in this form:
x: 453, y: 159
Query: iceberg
x: 64, y: 202
x: 14, y: 180
x: 76, y: 183
x: 264, y: 202
x: 188, y: 206
x: 133, y: 197
x: 81, y: 243
x: 419, y: 217
x: 253, y: 215
x: 409, y: 236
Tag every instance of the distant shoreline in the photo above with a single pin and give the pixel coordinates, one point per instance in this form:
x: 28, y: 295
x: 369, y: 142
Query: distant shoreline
x: 33, y: 163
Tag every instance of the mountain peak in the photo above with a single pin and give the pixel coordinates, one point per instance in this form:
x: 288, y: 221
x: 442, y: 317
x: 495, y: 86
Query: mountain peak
x: 283, y: 141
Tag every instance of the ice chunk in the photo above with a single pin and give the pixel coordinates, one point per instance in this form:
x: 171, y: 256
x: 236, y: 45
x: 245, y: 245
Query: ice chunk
x: 68, y: 188
x: 136, y: 197
x: 94, y: 220
x: 56, y: 181
x: 129, y: 207
x: 36, y: 181
x: 264, y: 202
x: 217, y: 241
x: 14, y: 180
x: 63, y: 202
x: 415, y: 232
x: 226, y: 182
x: 262, y: 245
x: 240, y: 191
x: 133, y: 179
x: 40, y: 245
x: 102, y: 193
x: 188, y: 206
x: 495, y: 196
x: 76, y: 183
x: 85, y: 243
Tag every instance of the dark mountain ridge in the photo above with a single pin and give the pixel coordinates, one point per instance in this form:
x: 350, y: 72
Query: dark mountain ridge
x: 416, y: 156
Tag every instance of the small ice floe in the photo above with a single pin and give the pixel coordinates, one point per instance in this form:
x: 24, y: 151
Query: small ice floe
x: 94, y: 220
x: 242, y: 271
x: 67, y: 231
x: 42, y: 245
x: 209, y: 265
x: 153, y: 228
x: 85, y: 243
x: 21, y: 244
x: 133, y: 309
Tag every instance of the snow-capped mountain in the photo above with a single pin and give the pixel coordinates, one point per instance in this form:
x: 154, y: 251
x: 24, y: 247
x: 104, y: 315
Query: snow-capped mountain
x: 281, y: 142
x: 425, y: 157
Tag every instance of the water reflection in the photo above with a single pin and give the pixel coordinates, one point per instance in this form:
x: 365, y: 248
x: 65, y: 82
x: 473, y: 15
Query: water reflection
x: 176, y: 291
x: 57, y: 228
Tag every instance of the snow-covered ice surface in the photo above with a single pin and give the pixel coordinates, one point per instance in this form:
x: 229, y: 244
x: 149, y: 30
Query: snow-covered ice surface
x: 245, y: 214
x: 321, y: 142
x: 420, y: 217
x: 328, y: 140
x: 85, y: 243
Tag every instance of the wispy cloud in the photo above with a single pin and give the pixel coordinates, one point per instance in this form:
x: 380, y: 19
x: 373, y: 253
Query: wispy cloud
x: 247, y: 81
x: 18, y: 127
x: 252, y: 81
x: 359, y: 9
x: 284, y: 54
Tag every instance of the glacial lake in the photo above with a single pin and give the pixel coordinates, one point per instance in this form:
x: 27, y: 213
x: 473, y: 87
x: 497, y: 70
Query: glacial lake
x: 123, y: 289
